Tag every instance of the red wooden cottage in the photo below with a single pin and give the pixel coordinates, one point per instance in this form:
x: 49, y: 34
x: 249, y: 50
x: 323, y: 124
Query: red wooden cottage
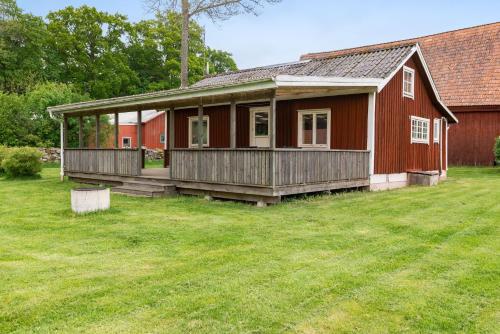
x: 465, y: 66
x: 360, y: 119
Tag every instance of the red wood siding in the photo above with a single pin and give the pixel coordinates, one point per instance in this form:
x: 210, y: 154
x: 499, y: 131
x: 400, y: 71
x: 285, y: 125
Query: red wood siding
x: 394, y: 152
x: 127, y: 130
x: 348, y: 122
x: 472, y: 139
x: 218, y: 126
x: 152, y: 130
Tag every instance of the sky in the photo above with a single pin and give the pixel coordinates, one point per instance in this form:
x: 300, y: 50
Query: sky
x: 282, y: 32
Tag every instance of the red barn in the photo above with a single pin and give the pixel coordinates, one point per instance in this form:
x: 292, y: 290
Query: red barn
x: 153, y: 130
x: 465, y: 66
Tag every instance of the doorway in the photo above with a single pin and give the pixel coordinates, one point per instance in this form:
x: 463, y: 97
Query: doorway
x: 259, y: 127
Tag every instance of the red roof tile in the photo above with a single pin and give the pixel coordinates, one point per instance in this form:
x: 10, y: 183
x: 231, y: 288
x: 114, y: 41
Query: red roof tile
x: 465, y: 63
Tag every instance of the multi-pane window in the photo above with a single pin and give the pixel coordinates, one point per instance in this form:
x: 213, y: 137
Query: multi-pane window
x: 193, y: 131
x: 261, y: 124
x: 126, y: 142
x: 314, y: 128
x: 419, y: 130
x: 162, y: 138
x: 437, y: 128
x: 408, y: 82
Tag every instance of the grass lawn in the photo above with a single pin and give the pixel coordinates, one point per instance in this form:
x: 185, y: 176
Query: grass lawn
x: 414, y: 260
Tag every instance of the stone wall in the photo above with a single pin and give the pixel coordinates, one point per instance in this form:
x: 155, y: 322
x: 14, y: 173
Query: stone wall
x: 53, y: 154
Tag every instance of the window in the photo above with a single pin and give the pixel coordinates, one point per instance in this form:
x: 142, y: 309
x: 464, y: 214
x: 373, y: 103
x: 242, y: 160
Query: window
x: 408, y: 82
x: 162, y: 138
x: 193, y: 131
x: 419, y: 130
x: 126, y: 142
x: 437, y: 128
x: 314, y: 128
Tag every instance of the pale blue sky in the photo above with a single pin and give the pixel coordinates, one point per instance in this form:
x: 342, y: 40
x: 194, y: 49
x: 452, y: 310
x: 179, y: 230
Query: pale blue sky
x: 285, y: 31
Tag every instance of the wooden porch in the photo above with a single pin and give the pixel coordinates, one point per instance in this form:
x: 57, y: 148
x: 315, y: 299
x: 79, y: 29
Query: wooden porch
x: 260, y: 175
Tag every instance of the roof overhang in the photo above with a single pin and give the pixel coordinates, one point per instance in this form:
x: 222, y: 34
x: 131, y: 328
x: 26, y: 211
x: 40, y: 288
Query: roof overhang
x: 193, y: 96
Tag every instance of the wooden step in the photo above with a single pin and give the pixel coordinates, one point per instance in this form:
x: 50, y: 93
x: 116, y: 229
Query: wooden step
x: 145, y: 189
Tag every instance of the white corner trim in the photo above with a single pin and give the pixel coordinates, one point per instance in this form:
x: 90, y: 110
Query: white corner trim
x: 370, y: 145
x: 61, y: 172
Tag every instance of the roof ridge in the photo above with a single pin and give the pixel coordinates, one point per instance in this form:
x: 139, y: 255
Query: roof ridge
x: 311, y: 55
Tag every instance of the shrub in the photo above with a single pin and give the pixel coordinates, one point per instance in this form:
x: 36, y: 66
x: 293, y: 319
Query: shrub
x: 3, y: 154
x: 22, y: 161
x: 496, y: 150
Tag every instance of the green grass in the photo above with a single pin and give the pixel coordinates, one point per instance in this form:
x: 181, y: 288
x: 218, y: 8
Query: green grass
x: 415, y: 260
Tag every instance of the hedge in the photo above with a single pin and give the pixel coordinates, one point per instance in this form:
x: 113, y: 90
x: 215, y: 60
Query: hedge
x: 22, y: 161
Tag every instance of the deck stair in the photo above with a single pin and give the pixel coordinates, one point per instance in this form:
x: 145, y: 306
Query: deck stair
x: 145, y: 188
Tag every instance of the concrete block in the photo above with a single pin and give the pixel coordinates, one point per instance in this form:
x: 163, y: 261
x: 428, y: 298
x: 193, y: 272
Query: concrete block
x: 86, y: 200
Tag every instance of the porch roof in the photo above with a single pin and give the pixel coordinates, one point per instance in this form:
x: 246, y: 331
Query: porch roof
x: 281, y: 86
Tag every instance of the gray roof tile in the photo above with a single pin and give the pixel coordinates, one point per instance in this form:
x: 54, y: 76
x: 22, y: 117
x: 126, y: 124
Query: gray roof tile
x: 377, y: 64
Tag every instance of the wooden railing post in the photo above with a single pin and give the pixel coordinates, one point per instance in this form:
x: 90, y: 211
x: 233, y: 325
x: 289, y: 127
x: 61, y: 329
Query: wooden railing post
x: 171, y: 138
x: 97, y: 130
x: 80, y: 132
x: 272, y: 138
x: 139, y: 140
x: 117, y: 130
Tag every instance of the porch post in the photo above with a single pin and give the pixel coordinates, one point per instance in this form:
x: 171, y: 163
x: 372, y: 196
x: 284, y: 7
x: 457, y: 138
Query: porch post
x: 232, y: 121
x: 370, y: 145
x: 62, y: 135
x: 272, y: 122
x: 272, y: 137
x: 97, y: 130
x: 200, y: 125
x: 139, y: 139
x: 117, y: 130
x: 170, y: 138
x: 80, y: 132
x: 65, y: 136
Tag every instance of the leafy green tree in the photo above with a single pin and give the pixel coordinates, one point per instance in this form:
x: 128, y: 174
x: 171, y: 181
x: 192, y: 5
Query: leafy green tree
x: 15, y: 123
x: 86, y: 47
x: 220, y: 61
x: 42, y: 96
x: 22, y: 38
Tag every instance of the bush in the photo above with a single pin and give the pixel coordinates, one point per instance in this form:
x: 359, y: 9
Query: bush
x: 22, y: 161
x: 3, y: 154
x: 496, y: 151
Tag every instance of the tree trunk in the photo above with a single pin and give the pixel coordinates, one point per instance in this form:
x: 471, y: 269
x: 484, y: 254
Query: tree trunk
x: 185, y: 44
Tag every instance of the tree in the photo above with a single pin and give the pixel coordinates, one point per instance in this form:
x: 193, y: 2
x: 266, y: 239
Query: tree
x: 220, y: 61
x: 86, y: 47
x: 22, y: 37
x: 213, y: 9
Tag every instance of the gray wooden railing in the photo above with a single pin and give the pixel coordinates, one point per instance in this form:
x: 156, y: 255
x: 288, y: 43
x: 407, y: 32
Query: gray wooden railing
x: 102, y: 161
x: 268, y: 168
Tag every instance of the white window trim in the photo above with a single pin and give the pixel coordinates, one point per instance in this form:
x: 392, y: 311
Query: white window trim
x: 412, y: 71
x: 420, y: 141
x: 129, y: 140
x: 300, y: 130
x: 164, y: 138
x: 259, y: 110
x: 195, y: 118
x: 435, y: 134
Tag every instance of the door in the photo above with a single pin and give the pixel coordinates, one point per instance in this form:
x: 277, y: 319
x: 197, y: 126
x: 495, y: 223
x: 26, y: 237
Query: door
x: 259, y: 127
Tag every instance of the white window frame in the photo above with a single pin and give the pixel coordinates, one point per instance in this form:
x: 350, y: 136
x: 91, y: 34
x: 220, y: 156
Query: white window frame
x: 190, y: 125
x: 129, y: 140
x: 300, y: 124
x: 422, y: 121
x: 436, y: 130
x: 410, y: 70
x: 162, y: 135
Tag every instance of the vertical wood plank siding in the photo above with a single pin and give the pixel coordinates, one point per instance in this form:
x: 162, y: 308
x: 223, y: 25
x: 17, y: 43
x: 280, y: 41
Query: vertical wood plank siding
x: 102, y: 161
x: 348, y: 122
x: 253, y: 166
x: 472, y: 139
x: 394, y: 152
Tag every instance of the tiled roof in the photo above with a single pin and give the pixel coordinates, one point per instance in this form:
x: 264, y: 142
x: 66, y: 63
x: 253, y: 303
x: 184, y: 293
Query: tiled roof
x: 465, y: 63
x: 379, y: 64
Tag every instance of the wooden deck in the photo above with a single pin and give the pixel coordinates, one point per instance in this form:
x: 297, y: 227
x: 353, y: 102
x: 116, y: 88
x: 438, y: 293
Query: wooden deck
x: 261, y: 175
